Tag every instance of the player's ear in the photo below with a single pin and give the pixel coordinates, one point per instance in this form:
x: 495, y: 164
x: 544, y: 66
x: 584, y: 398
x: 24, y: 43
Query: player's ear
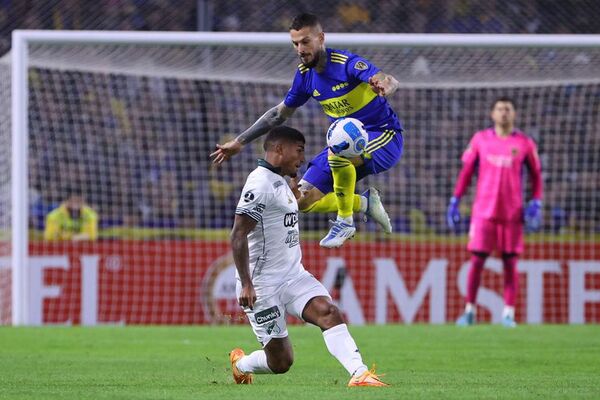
x: 321, y: 37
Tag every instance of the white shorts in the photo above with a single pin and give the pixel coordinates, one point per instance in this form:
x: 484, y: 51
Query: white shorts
x: 272, y: 305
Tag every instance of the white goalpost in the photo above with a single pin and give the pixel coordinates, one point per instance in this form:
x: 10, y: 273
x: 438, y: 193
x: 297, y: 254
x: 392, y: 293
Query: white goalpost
x: 130, y: 117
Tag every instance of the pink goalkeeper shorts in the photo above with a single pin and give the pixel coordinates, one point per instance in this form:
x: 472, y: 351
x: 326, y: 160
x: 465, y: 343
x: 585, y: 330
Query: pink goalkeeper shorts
x: 486, y: 235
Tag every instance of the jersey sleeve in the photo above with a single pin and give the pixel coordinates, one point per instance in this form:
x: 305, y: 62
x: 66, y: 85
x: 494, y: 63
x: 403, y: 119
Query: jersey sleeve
x: 90, y: 225
x: 253, y: 202
x: 535, y: 170
x: 297, y: 95
x: 361, y: 68
x: 471, y: 153
x: 52, y: 228
x: 469, y: 158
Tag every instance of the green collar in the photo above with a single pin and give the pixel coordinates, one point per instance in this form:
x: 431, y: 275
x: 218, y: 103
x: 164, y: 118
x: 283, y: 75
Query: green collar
x: 264, y: 163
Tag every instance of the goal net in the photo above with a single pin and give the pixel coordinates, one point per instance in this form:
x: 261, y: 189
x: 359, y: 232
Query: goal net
x: 128, y: 120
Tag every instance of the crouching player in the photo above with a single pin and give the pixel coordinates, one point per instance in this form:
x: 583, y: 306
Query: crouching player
x: 271, y: 280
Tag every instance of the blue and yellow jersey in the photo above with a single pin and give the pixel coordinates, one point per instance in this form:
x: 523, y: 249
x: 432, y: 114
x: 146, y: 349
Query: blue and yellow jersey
x: 343, y: 90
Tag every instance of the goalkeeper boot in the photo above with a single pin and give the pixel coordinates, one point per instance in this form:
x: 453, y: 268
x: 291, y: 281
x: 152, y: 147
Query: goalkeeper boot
x: 508, y: 322
x: 467, y: 319
x: 367, y: 378
x: 238, y: 376
x: 340, y: 232
x: 375, y: 210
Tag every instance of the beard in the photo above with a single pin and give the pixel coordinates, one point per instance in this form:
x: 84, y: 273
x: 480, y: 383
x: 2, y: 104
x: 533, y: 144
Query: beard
x: 314, y: 61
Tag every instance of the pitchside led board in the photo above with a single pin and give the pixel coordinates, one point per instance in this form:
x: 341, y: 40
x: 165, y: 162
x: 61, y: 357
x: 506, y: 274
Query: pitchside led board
x: 170, y: 283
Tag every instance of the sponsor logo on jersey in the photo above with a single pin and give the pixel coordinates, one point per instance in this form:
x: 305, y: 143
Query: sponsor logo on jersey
x: 260, y: 207
x: 514, y: 151
x: 272, y: 327
x: 341, y: 107
x: 267, y: 315
x: 340, y: 86
x: 290, y: 219
x: 277, y: 184
x: 248, y: 197
x: 293, y: 238
x: 361, y: 66
x: 316, y: 93
x: 500, y: 160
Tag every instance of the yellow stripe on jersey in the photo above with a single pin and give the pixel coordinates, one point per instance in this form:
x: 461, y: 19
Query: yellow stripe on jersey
x: 338, y: 58
x: 339, y: 55
x: 349, y: 103
x: 302, y: 68
x: 381, y: 141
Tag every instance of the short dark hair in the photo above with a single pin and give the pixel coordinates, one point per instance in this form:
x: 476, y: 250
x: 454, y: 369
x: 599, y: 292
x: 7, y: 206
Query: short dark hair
x: 503, y: 99
x: 73, y: 191
x: 283, y: 133
x: 304, y: 19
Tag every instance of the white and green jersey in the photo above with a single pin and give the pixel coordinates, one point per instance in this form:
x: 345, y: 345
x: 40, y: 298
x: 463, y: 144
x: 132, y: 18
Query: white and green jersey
x: 274, y: 244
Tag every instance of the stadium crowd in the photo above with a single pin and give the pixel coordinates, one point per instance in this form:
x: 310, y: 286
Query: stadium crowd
x: 407, y: 16
x: 138, y: 148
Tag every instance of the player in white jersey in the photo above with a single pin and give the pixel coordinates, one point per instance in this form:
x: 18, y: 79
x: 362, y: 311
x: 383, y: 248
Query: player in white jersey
x: 271, y: 280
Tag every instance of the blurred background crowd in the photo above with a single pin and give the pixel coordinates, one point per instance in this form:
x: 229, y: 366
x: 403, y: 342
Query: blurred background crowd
x: 138, y: 146
x: 388, y: 16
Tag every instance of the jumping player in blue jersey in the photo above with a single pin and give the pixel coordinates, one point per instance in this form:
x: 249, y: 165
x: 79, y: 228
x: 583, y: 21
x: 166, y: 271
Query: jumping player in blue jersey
x: 346, y: 85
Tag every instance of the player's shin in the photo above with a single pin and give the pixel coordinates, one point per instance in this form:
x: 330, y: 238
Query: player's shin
x: 344, y: 183
x: 254, y: 363
x: 474, y: 278
x: 328, y: 203
x: 511, y: 283
x: 341, y: 345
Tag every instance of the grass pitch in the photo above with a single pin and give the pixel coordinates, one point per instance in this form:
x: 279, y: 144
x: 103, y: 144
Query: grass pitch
x: 191, y: 363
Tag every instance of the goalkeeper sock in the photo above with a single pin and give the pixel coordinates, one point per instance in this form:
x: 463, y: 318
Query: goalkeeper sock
x: 474, y: 278
x: 509, y: 312
x: 511, y: 280
x: 328, y: 203
x: 255, y: 363
x: 344, y: 183
x: 341, y: 345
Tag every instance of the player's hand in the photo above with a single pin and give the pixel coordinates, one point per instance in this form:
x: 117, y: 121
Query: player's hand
x: 453, y: 213
x: 533, y: 215
x: 226, y: 151
x: 247, y: 296
x: 380, y: 86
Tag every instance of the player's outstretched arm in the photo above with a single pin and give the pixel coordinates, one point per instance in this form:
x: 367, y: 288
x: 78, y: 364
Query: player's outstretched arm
x: 272, y: 118
x: 383, y: 84
x: 242, y: 226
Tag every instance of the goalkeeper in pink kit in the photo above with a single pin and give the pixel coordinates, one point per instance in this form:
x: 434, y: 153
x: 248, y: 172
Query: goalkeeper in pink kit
x: 498, y: 153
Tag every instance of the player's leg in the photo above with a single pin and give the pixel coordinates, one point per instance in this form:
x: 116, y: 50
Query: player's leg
x: 511, y: 284
x: 315, y: 201
x: 481, y: 243
x: 311, y: 302
x: 343, y: 172
x: 511, y: 246
x: 267, y: 319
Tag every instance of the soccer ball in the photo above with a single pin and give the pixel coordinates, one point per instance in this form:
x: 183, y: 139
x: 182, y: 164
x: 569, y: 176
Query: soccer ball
x: 347, y: 137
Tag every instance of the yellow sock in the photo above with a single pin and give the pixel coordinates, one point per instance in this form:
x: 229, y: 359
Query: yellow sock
x: 328, y: 203
x: 344, y: 182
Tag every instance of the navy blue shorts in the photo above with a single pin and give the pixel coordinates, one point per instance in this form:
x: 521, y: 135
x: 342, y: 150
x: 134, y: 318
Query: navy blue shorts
x: 383, y: 152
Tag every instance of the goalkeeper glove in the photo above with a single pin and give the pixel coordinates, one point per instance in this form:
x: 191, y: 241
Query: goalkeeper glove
x: 453, y: 213
x: 533, y: 215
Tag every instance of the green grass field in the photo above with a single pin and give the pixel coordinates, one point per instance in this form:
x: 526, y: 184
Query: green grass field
x: 423, y: 361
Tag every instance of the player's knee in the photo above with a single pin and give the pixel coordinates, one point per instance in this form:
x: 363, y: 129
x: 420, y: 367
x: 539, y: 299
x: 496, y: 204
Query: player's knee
x: 308, y: 199
x: 282, y: 364
x: 331, y: 317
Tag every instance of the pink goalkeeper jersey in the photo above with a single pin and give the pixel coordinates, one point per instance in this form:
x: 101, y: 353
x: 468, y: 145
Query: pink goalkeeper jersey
x: 499, y: 191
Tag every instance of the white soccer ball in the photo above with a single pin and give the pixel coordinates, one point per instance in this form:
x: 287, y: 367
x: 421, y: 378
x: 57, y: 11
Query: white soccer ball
x: 347, y: 137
